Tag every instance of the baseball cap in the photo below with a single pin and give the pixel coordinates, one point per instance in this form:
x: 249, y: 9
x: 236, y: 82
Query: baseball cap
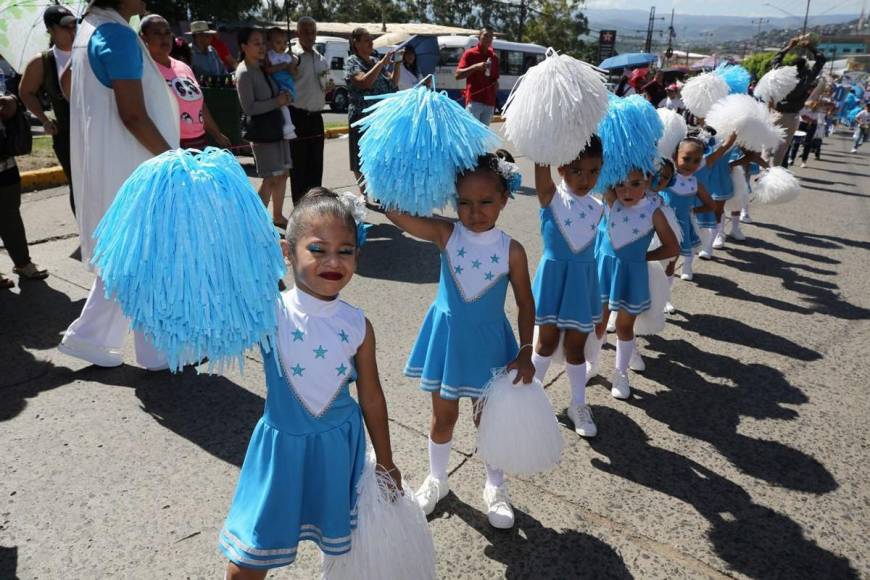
x: 58, y: 16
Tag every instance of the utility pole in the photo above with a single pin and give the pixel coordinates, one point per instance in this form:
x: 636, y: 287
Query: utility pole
x: 760, y: 21
x: 647, y: 47
x: 669, y: 53
x: 522, y: 20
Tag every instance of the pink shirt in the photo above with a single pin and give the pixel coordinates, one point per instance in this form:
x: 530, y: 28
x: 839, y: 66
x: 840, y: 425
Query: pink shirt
x: 182, y: 82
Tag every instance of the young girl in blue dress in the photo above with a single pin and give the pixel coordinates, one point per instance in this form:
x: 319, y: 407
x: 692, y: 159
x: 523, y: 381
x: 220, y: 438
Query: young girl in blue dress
x: 567, y: 299
x: 631, y: 217
x: 715, y: 175
x: 307, y: 452
x: 686, y: 196
x: 466, y: 334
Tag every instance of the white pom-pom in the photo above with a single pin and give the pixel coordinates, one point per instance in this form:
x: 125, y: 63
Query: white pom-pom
x: 555, y: 108
x: 776, y: 84
x: 652, y: 321
x: 392, y: 538
x: 675, y: 131
x: 776, y: 185
x: 699, y: 93
x: 749, y: 119
x: 518, y: 431
x: 671, y: 217
x: 558, y: 356
x: 741, y: 190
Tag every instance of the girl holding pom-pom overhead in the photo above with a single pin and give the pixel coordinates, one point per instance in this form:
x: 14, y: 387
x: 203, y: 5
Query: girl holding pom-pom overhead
x: 465, y: 334
x: 567, y: 298
x: 307, y: 453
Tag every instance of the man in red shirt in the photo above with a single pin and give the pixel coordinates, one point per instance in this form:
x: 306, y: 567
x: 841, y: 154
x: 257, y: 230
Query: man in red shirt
x: 479, y: 67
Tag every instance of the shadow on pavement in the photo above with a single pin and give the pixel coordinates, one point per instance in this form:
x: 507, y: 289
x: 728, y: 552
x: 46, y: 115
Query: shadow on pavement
x: 530, y: 550
x: 736, y: 332
x: 47, y: 312
x: 754, y: 540
x: 390, y: 254
x: 808, y: 239
x: 8, y: 562
x: 711, y: 411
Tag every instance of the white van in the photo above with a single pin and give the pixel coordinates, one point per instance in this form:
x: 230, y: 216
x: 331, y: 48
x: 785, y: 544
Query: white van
x: 515, y: 58
x: 335, y: 50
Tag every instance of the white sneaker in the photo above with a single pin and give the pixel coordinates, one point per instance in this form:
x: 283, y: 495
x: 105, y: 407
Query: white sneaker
x: 73, y: 346
x: 705, y: 255
x: 686, y: 272
x: 611, y: 324
x: 719, y: 241
x: 803, y: 164
x: 636, y: 363
x: 498, y: 506
x: 620, y: 389
x: 431, y: 492
x: 581, y: 416
x: 854, y: 150
x: 669, y: 308
x: 745, y: 217
x: 736, y: 232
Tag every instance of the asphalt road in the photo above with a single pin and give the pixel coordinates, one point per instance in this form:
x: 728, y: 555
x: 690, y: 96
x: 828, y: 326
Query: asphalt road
x: 742, y: 453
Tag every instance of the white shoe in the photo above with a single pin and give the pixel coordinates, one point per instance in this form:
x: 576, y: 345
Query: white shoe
x: 719, y: 241
x: 636, y: 363
x: 686, y: 273
x: 581, y: 416
x: 431, y: 492
x: 736, y: 232
x: 620, y: 389
x: 705, y: 255
x: 73, y: 346
x: 498, y: 506
x: 611, y: 324
x: 745, y: 218
x: 803, y: 164
x: 854, y: 150
x: 669, y: 308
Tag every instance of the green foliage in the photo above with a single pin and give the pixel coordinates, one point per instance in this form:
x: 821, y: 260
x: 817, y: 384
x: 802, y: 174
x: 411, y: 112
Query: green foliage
x: 209, y: 10
x: 758, y: 63
x: 557, y: 23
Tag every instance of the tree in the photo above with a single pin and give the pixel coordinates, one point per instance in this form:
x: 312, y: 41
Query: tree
x: 208, y: 10
x: 759, y: 63
x: 560, y: 24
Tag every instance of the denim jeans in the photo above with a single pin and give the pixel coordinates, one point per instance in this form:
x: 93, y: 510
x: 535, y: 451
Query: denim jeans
x: 481, y: 112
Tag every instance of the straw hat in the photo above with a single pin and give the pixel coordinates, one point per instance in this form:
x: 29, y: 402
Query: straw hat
x: 201, y: 27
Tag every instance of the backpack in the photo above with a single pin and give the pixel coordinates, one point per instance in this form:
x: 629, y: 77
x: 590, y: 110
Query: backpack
x: 18, y: 140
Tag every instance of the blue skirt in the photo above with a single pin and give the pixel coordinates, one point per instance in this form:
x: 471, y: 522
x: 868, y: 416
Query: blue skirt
x: 690, y: 239
x: 567, y: 295
x: 295, y: 487
x: 456, y: 358
x: 624, y: 285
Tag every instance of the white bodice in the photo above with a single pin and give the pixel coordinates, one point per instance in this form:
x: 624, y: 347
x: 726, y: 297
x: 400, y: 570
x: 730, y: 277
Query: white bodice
x: 317, y: 342
x: 629, y: 224
x: 684, y: 185
x: 576, y: 217
x: 477, y: 261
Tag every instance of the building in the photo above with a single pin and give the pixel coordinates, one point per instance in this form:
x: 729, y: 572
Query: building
x: 843, y: 46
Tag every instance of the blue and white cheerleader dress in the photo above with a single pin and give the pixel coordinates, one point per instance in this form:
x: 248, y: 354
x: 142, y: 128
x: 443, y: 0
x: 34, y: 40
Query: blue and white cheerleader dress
x: 682, y: 197
x: 566, y: 281
x: 466, y: 334
x: 624, y: 237
x: 716, y: 180
x: 307, y: 452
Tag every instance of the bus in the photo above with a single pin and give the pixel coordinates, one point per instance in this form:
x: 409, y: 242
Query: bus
x: 514, y: 58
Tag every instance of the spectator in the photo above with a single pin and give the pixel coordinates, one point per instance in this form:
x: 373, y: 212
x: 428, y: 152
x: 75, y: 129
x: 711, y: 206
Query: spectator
x: 42, y: 79
x: 862, y: 126
x: 673, y: 101
x: 312, y: 85
x: 654, y: 90
x: 259, y: 95
x: 409, y: 73
x: 11, y: 225
x: 365, y: 77
x: 195, y: 120
x: 121, y: 114
x: 480, y: 68
x: 791, y: 105
x: 205, y: 59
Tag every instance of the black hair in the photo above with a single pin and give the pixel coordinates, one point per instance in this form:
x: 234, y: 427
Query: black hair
x: 693, y: 140
x: 356, y: 35
x: 594, y: 148
x: 413, y: 68
x: 114, y: 4
x: 273, y: 31
x: 244, y: 36
x: 317, y: 203
x: 487, y: 163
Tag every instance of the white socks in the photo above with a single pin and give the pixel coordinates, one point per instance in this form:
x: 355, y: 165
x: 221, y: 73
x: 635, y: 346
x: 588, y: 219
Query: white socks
x: 687, y: 265
x: 439, y: 458
x: 624, y: 348
x: 577, y: 378
x: 541, y: 364
x: 494, y: 477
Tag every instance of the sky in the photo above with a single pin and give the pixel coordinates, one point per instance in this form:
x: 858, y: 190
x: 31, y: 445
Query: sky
x: 736, y: 7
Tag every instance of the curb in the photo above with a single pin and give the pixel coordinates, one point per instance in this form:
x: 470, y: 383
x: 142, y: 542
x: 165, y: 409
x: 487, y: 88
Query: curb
x: 54, y: 176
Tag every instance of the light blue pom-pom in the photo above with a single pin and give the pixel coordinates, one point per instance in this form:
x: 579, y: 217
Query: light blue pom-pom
x: 190, y: 254
x: 629, y: 132
x: 414, y: 144
x: 736, y: 77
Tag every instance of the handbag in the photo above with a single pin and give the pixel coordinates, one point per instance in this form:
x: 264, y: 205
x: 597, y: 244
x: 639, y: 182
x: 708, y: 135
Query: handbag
x: 265, y: 127
x: 17, y: 139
